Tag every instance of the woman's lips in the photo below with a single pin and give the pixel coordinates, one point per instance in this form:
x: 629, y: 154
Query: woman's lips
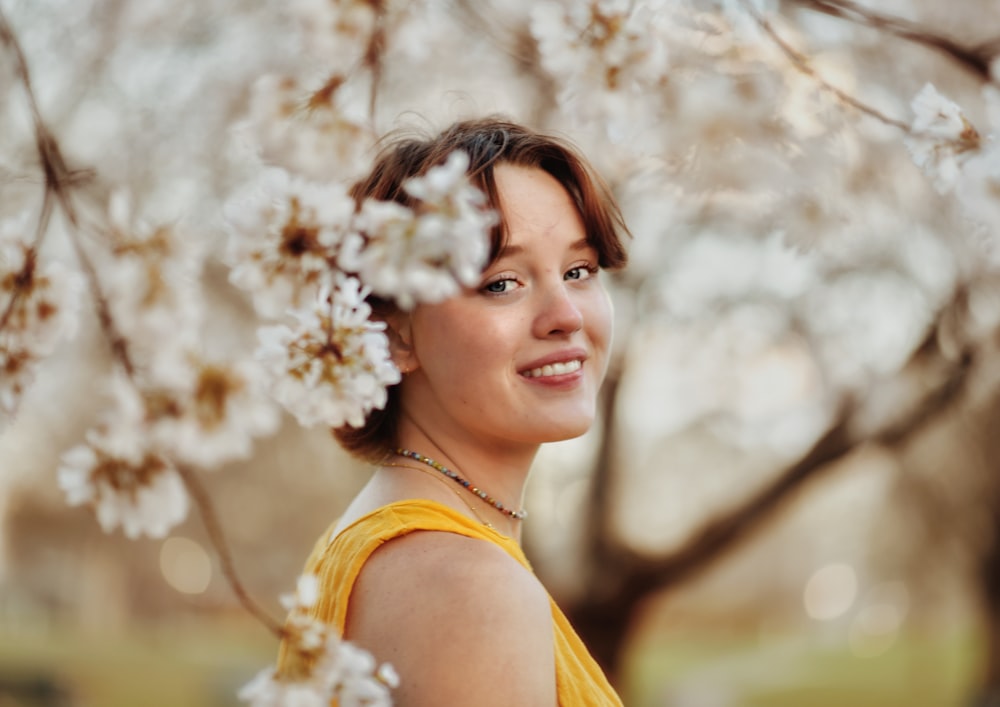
x: 550, y: 370
x: 565, y: 362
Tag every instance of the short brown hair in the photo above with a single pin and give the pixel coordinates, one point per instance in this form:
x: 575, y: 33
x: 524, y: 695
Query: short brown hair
x: 487, y: 142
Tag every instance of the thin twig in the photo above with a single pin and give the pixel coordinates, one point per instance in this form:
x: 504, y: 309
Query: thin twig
x: 801, y: 62
x: 44, y: 217
x: 8, y: 37
x: 206, y: 509
x: 53, y: 165
x: 58, y: 179
x: 373, y: 57
x: 116, y: 340
x: 976, y: 58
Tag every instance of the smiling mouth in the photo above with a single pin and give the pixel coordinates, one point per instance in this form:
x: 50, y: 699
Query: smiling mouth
x: 554, y: 369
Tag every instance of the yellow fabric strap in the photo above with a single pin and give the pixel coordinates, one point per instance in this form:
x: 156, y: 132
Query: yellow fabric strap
x: 337, y: 561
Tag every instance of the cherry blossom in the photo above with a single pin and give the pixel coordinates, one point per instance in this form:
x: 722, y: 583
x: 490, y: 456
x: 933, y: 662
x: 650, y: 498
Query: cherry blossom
x: 334, y: 367
x: 119, y: 472
x: 319, y: 133
x: 213, y: 417
x: 284, y: 234
x: 336, y: 32
x: 39, y: 301
x: 150, y: 280
x: 611, y: 43
x: 606, y: 55
x: 427, y: 253
x: 323, y: 666
x: 944, y: 137
x: 143, y: 494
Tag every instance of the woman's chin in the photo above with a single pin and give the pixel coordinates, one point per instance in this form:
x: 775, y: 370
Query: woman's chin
x: 565, y: 429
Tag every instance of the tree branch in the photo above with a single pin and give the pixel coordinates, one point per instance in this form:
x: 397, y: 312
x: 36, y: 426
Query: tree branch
x: 373, y: 59
x: 58, y: 180
x: 621, y: 578
x: 949, y: 378
x: 206, y: 509
x: 599, y: 528
x: 974, y: 58
x: 801, y: 62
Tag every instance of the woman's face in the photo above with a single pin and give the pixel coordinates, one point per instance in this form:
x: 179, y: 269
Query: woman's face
x: 519, y: 359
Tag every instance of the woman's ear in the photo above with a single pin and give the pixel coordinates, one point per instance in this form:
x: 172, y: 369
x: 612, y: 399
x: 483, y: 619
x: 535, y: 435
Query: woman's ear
x: 399, y: 329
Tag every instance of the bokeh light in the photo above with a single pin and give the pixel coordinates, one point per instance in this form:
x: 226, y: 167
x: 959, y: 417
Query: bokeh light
x: 185, y: 565
x: 877, y: 625
x: 830, y: 592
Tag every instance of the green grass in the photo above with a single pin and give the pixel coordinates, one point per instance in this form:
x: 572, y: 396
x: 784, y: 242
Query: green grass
x: 799, y: 671
x: 199, y: 665
x: 203, y: 664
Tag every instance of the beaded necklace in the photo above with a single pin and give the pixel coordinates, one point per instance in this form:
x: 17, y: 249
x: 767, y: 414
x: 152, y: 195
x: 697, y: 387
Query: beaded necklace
x: 516, y: 515
x: 463, y: 499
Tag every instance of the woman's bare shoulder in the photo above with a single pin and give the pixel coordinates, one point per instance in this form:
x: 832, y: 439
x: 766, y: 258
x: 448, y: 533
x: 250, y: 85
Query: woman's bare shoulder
x: 461, y: 620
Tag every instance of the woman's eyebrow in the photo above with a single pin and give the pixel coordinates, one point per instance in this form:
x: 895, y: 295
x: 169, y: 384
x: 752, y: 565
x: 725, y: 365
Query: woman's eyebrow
x: 508, y: 250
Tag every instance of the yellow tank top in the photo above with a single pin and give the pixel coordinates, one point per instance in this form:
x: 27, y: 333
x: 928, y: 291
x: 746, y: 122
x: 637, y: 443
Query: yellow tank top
x: 338, y: 561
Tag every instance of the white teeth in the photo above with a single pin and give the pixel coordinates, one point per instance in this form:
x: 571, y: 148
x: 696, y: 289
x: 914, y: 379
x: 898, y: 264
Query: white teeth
x: 554, y: 369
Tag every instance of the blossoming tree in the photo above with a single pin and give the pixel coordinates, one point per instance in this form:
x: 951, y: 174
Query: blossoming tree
x: 723, y: 127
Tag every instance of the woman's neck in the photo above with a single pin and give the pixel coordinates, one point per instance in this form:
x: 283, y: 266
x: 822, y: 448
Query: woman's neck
x: 501, y: 470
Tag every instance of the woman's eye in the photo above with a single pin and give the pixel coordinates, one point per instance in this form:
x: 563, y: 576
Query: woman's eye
x: 580, y: 272
x: 498, y: 287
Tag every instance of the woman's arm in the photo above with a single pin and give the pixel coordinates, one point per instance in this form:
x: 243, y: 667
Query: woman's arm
x: 462, y: 622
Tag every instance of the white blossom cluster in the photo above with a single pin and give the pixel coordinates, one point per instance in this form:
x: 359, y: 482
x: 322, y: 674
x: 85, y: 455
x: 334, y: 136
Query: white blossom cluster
x: 38, y: 309
x: 336, y: 31
x: 126, y: 469
x: 943, y: 137
x: 118, y: 472
x: 284, y: 236
x: 141, y: 492
x: 334, y: 366
x: 149, y: 277
x: 323, y: 133
x: 427, y: 253
x: 957, y: 159
x: 169, y: 405
x: 607, y: 43
x: 197, y: 410
x: 606, y: 55
x: 212, y: 415
x: 324, y: 667
x: 302, y: 248
x: 288, y: 235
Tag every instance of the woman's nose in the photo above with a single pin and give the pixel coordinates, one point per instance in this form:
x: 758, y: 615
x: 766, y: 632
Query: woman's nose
x: 558, y: 313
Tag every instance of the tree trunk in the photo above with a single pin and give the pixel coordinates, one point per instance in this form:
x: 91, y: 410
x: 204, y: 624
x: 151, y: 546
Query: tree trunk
x: 618, y: 579
x: 603, y: 627
x: 989, y: 576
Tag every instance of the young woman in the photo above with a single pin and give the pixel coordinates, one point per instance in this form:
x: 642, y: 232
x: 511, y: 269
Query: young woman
x: 424, y: 569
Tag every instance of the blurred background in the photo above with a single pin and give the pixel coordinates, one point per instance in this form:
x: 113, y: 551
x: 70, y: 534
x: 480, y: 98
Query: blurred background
x: 791, y: 497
